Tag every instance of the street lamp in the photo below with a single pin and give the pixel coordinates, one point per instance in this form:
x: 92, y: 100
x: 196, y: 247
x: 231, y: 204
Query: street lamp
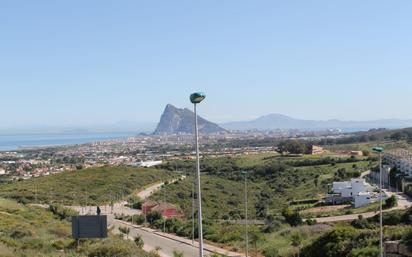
x: 196, y: 98
x: 246, y: 221
x: 380, y: 151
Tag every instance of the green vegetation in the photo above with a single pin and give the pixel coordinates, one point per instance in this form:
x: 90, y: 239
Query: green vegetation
x: 92, y: 186
x: 361, y: 237
x: 278, y: 186
x: 33, y: 231
x: 274, y: 181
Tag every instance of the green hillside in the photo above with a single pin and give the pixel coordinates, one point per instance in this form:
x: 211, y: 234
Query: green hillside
x: 36, y: 232
x: 93, y: 185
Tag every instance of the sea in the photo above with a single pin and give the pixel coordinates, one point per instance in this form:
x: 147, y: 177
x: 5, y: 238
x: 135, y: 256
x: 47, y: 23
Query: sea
x: 24, y: 141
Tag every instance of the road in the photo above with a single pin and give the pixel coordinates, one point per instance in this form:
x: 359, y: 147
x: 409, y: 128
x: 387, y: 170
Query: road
x: 403, y: 202
x: 120, y: 207
x: 152, y: 238
x: 167, y: 243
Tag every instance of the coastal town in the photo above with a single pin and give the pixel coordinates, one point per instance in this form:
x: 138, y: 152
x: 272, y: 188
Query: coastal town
x: 142, y: 150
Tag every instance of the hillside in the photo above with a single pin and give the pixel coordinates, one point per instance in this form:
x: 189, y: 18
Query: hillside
x: 93, y: 185
x: 175, y: 121
x: 273, y: 181
x: 37, y: 232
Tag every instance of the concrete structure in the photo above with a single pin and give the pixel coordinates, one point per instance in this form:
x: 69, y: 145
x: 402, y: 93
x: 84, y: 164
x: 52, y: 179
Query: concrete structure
x: 362, y: 199
x: 356, y: 153
x: 396, y: 249
x: 167, y: 210
x: 400, y: 159
x: 148, y: 164
x: 314, y: 149
x: 356, y: 190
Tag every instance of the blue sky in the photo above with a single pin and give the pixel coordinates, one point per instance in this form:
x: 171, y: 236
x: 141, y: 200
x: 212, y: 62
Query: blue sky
x: 79, y: 63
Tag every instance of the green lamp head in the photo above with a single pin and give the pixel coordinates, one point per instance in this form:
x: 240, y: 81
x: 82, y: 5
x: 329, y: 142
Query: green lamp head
x: 378, y: 149
x: 197, y: 97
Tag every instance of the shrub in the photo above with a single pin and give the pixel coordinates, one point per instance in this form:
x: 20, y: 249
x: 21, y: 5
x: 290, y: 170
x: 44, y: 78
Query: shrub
x: 153, y: 216
x: 20, y: 232
x: 62, y: 212
x: 139, y: 242
x: 391, y: 202
x: 292, y: 217
x: 110, y: 248
x: 407, y: 239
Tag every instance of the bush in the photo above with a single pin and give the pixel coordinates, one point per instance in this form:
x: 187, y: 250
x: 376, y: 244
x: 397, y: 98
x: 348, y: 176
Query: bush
x: 139, y: 242
x: 407, y: 239
x: 62, y: 212
x: 153, y: 216
x: 271, y: 252
x: 138, y: 219
x: 391, y: 202
x: 292, y: 217
x: 20, y: 232
x: 110, y: 248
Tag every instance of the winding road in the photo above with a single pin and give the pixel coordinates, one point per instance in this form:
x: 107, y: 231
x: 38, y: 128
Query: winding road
x: 164, y: 243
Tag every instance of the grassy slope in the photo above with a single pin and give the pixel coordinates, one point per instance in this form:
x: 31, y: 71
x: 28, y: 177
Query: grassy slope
x: 36, y: 232
x: 73, y: 187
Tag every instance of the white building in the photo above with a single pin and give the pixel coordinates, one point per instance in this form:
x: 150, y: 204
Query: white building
x: 400, y: 159
x: 356, y: 189
x: 362, y: 199
x: 148, y: 164
x: 2, y: 171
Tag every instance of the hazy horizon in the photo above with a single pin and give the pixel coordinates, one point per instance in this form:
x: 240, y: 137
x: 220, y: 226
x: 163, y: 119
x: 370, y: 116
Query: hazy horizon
x: 82, y: 64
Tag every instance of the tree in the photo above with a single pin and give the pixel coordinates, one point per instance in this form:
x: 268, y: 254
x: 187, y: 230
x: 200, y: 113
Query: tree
x: 391, y: 202
x: 292, y: 146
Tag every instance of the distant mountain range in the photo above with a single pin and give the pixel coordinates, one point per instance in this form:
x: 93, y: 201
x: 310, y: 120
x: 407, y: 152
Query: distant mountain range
x: 279, y: 121
x: 175, y: 121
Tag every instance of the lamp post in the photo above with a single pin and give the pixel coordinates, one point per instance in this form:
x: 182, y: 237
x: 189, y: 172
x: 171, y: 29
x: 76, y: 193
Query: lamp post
x: 246, y: 220
x: 196, y: 98
x: 380, y: 151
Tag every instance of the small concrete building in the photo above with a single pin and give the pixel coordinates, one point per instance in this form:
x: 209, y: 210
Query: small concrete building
x: 356, y: 190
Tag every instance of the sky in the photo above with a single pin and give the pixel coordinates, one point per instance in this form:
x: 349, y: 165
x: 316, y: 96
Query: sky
x: 83, y: 63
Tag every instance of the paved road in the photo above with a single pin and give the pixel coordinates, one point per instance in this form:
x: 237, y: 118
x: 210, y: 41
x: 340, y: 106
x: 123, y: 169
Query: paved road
x: 403, y: 202
x: 152, y: 238
x: 120, y: 207
x: 167, y: 243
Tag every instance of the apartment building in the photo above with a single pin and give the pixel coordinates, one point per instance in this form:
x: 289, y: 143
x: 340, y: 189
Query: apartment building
x: 400, y: 159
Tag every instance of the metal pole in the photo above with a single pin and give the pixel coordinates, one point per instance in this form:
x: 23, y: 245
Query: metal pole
x: 389, y: 179
x: 381, y: 202
x: 193, y: 211
x: 199, y: 194
x: 164, y: 201
x: 246, y: 220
